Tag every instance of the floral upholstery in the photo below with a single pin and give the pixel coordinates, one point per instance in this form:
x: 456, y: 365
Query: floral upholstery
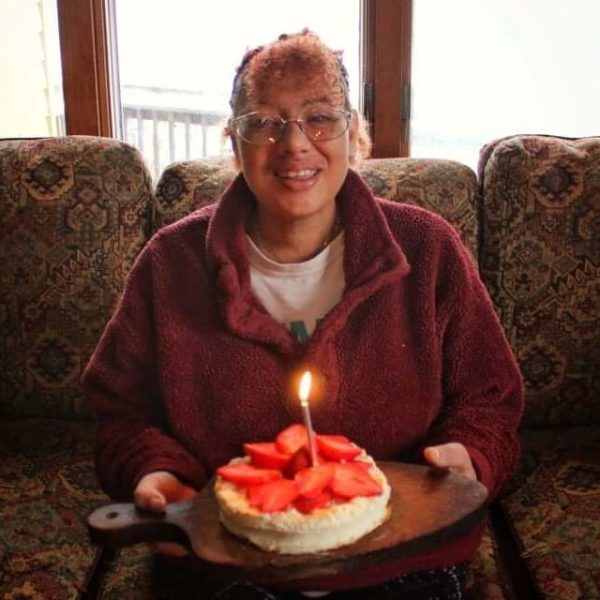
x: 442, y: 186
x: 187, y: 186
x: 130, y: 576
x: 445, y: 187
x: 540, y: 259
x: 554, y: 511
x: 73, y: 213
x: 47, y: 489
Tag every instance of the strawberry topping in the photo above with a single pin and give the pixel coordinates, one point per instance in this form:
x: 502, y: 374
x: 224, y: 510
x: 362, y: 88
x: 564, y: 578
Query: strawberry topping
x: 292, y: 438
x: 280, y: 474
x: 266, y: 455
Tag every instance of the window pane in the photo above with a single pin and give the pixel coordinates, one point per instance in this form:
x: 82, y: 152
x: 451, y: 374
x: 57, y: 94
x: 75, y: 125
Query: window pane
x: 487, y: 69
x: 31, y: 100
x: 177, y: 60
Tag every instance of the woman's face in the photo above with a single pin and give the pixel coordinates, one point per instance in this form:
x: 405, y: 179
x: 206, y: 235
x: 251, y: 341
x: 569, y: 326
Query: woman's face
x: 295, y: 178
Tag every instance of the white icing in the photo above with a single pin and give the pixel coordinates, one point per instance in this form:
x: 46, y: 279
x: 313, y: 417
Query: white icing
x: 292, y: 532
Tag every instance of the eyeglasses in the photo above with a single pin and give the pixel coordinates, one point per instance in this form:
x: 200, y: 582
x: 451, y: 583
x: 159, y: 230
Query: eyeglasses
x: 318, y: 123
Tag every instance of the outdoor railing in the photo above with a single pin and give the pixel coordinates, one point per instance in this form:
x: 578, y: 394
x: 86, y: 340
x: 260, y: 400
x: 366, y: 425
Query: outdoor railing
x: 165, y: 135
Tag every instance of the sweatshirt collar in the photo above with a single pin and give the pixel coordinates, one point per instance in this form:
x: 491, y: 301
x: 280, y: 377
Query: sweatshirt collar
x: 372, y: 259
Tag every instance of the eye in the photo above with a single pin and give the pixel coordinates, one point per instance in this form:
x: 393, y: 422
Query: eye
x: 322, y: 116
x: 259, y: 123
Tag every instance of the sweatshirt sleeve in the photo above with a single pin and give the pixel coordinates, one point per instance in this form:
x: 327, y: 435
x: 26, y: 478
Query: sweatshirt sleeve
x: 481, y: 382
x: 120, y: 386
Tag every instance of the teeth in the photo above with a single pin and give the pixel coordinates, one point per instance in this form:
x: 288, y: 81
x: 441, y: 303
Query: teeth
x: 298, y: 174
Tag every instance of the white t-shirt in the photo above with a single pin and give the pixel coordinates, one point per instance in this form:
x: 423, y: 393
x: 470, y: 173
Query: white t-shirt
x: 297, y: 295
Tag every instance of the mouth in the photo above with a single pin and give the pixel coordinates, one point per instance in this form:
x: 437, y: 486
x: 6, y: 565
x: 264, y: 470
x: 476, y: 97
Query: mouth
x: 301, y: 175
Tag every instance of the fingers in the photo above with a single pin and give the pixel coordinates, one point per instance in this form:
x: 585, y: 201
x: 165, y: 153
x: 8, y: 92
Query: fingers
x: 148, y: 496
x: 155, y: 490
x: 452, y: 457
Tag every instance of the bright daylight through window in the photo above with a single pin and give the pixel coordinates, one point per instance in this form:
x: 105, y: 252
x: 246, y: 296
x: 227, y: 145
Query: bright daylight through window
x: 177, y: 60
x: 487, y: 69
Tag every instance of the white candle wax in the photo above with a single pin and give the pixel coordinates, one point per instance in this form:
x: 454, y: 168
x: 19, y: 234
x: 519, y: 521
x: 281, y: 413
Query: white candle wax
x: 304, y: 393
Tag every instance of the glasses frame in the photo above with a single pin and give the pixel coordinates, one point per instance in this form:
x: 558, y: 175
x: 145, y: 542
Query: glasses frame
x: 283, y: 123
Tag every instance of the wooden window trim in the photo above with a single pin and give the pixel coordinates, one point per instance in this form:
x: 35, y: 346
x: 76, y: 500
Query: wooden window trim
x: 85, y: 67
x: 386, y: 39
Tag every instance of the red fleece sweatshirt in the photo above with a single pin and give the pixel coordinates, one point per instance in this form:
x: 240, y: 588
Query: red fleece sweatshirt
x: 191, y: 366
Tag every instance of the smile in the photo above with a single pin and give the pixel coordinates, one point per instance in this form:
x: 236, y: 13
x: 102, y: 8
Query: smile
x: 304, y: 174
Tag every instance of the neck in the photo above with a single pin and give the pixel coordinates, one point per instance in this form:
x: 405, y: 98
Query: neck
x: 294, y: 242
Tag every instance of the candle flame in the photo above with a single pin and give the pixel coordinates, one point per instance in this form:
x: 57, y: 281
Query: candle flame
x: 304, y: 390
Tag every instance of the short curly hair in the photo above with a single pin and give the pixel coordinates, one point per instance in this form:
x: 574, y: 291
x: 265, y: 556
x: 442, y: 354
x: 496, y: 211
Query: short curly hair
x: 294, y: 54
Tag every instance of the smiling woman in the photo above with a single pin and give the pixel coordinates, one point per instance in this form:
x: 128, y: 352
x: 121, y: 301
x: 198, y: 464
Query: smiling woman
x: 203, y: 349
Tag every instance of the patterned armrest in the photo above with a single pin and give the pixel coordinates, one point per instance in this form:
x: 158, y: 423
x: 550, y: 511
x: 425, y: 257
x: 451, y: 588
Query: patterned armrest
x: 540, y: 259
x: 74, y: 213
x: 446, y: 187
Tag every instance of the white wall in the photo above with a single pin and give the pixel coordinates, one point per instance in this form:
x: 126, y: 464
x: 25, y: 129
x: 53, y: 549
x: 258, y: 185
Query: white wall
x: 30, y: 79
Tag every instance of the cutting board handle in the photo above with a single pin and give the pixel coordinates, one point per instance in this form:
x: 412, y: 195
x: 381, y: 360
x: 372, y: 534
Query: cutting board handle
x: 124, y: 524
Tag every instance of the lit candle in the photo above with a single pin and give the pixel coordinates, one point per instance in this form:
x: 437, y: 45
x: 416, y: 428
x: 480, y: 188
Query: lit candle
x: 304, y: 393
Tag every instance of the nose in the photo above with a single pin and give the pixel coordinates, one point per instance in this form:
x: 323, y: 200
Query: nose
x: 292, y: 137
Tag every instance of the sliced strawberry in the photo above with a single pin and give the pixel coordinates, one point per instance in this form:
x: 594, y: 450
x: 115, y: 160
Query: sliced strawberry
x: 337, y: 447
x: 265, y: 455
x: 256, y: 494
x: 308, y: 505
x: 273, y: 496
x: 292, y: 438
x: 350, y: 480
x: 298, y: 461
x: 361, y: 464
x: 245, y: 474
x: 313, y: 480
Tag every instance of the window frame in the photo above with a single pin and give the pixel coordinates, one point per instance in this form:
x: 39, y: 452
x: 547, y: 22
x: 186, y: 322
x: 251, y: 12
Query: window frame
x: 90, y: 83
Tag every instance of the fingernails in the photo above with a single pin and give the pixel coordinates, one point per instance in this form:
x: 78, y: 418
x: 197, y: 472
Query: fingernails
x: 156, y: 504
x: 434, y: 453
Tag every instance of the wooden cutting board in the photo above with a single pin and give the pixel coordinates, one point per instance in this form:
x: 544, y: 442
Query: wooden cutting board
x: 428, y: 509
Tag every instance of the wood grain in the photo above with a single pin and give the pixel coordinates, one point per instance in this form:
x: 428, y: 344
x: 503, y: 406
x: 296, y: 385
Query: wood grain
x: 428, y: 509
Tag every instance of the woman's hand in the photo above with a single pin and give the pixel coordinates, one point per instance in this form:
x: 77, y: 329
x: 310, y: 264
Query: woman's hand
x: 153, y: 492
x: 452, y: 457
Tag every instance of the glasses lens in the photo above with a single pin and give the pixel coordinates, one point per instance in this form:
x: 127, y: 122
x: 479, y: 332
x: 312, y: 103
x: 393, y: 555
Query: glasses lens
x: 259, y: 129
x: 319, y: 123
x: 324, y: 123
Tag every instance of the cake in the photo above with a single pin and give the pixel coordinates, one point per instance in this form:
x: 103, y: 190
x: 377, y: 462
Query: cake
x: 277, y: 500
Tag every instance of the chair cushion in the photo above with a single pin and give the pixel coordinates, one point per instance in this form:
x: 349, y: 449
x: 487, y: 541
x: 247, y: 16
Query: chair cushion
x: 130, y: 575
x: 446, y: 187
x: 47, y: 489
x: 487, y: 576
x: 74, y: 213
x: 540, y: 258
x: 553, y: 508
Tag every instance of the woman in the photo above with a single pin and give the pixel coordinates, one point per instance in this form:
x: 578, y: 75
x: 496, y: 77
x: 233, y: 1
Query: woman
x: 299, y: 265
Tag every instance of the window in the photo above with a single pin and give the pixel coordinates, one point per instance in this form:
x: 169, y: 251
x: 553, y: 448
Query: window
x: 483, y: 70
x: 177, y: 59
x: 468, y: 71
x: 31, y: 101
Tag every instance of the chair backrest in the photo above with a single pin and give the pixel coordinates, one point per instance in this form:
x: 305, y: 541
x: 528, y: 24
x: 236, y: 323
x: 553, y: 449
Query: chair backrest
x: 443, y: 186
x: 540, y: 258
x: 74, y: 213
